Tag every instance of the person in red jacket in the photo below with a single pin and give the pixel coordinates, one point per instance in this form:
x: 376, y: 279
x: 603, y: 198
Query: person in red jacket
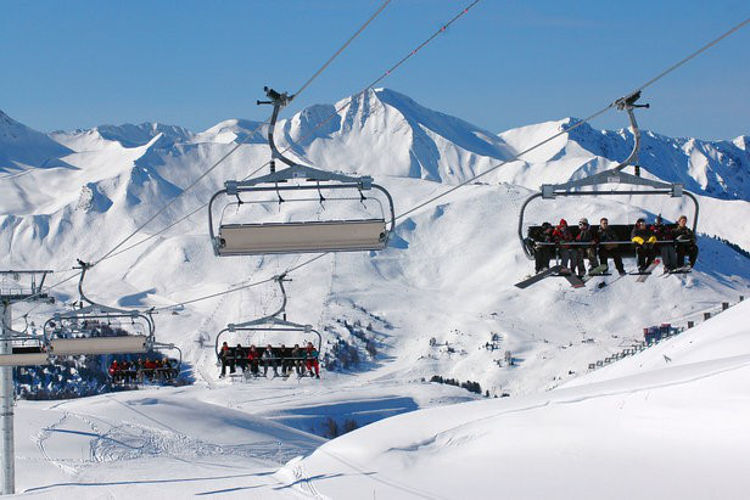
x: 252, y: 359
x: 114, y: 371
x: 311, y: 361
x: 563, y: 235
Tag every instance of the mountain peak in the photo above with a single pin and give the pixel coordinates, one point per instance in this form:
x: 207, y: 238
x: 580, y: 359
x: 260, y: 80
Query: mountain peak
x: 130, y: 135
x: 21, y: 146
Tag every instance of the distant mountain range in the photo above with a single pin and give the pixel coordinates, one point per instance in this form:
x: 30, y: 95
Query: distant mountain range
x: 449, y: 271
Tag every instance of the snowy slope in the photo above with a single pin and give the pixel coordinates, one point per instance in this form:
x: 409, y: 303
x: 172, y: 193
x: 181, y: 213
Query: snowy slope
x: 667, y: 423
x: 22, y: 147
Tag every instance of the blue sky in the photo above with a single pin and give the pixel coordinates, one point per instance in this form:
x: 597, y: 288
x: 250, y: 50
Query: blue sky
x: 509, y: 63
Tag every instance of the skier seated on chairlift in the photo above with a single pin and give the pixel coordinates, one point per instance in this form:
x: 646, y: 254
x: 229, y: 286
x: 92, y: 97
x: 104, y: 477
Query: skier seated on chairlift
x: 252, y: 359
x: 644, y: 241
x: 297, y: 360
x: 225, y: 356
x: 607, y: 249
x: 127, y: 370
x: 115, y: 372
x: 239, y: 357
x: 284, y: 361
x: 586, y: 234
x: 311, y: 361
x: 542, y: 253
x: 562, y: 235
x: 668, y: 252
x: 685, y: 243
x: 270, y: 359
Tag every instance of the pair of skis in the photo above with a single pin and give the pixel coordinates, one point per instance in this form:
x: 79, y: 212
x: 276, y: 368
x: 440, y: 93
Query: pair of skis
x: 642, y: 275
x: 577, y: 282
x: 558, y: 270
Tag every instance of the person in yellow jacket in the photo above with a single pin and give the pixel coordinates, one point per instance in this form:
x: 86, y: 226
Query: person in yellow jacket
x: 644, y: 240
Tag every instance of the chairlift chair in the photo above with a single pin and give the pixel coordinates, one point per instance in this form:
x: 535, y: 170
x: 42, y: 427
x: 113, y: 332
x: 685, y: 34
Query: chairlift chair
x: 70, y: 333
x: 274, y: 324
x: 615, y: 175
x: 258, y: 238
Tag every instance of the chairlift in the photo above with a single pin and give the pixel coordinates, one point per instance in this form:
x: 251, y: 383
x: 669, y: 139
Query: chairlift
x: 615, y: 175
x: 159, y: 346
x: 98, y: 329
x: 274, y: 324
x: 334, y: 235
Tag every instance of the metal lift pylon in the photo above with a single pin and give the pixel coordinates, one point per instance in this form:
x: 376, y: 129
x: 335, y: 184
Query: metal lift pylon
x: 9, y: 296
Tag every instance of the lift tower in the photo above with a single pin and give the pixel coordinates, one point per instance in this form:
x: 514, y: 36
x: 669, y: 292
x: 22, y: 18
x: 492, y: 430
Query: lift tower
x: 15, y: 286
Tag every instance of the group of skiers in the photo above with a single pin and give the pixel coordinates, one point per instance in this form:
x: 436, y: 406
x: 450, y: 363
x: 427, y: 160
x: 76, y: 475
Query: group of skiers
x: 152, y: 370
x: 302, y: 361
x: 599, y: 244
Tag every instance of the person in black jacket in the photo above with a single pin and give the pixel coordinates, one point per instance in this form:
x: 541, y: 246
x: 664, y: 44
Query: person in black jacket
x: 644, y: 241
x: 586, y: 235
x: 607, y: 248
x: 226, y: 358
x: 685, y: 242
x: 240, y: 359
x: 542, y: 253
x: 664, y: 239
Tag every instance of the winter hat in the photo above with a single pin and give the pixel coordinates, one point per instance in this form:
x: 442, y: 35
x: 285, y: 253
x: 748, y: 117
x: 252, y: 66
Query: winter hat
x: 546, y: 225
x: 563, y: 222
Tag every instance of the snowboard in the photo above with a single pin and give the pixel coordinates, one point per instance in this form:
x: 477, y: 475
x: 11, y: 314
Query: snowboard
x: 538, y: 277
x: 647, y: 272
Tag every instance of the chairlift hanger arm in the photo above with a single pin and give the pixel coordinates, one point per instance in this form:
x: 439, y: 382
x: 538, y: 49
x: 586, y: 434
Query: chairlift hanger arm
x: 160, y: 346
x: 278, y: 100
x: 296, y: 170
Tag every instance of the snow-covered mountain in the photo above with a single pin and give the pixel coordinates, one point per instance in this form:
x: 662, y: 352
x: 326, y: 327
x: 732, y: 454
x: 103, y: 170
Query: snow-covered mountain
x: 439, y: 301
x: 115, y: 177
x: 22, y: 147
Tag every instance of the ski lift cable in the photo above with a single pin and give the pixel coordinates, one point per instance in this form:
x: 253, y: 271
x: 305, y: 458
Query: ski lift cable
x: 435, y: 198
x: 586, y: 120
x: 691, y: 56
x: 493, y: 168
x: 240, y: 143
x: 237, y: 288
x: 343, y: 47
x: 443, y: 28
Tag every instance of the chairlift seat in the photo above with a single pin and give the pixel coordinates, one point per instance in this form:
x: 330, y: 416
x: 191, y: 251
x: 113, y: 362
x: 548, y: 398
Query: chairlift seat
x: 302, y: 237
x: 131, y: 344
